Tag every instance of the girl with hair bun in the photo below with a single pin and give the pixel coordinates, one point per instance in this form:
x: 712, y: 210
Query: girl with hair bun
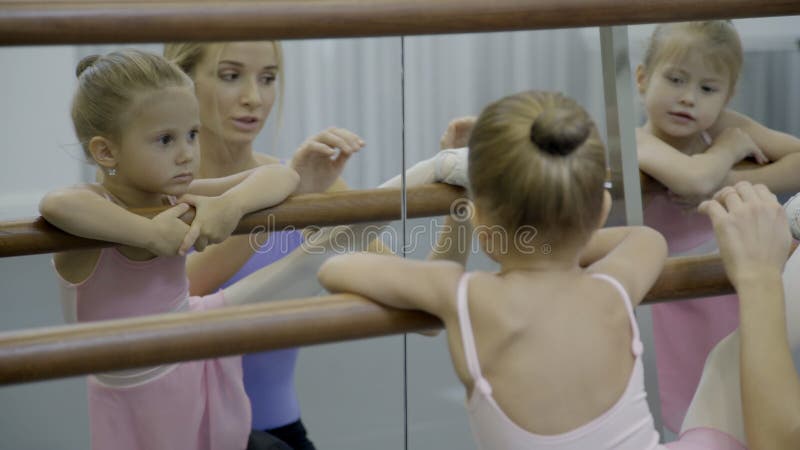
x: 547, y: 347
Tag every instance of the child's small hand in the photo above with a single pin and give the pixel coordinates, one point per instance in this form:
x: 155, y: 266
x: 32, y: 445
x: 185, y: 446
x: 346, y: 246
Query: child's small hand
x: 318, y: 163
x: 457, y: 133
x: 214, y: 220
x: 739, y: 141
x: 170, y: 231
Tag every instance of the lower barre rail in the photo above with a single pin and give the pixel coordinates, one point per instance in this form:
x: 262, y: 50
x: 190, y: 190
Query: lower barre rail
x: 68, y: 350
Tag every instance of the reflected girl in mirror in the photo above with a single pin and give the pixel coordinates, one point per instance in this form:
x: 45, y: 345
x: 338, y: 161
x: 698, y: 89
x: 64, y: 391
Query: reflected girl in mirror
x: 692, y: 145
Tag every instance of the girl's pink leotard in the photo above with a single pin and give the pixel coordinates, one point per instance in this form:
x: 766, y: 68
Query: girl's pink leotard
x: 684, y: 332
x: 198, y: 405
x: 627, y: 425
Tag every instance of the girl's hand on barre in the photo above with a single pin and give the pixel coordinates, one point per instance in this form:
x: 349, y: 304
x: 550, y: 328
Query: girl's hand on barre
x: 169, y: 231
x: 214, y: 221
x: 738, y: 141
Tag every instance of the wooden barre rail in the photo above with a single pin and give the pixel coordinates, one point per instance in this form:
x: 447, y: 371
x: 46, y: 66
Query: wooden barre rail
x: 25, y: 237
x: 34, y: 236
x: 95, y: 21
x: 61, y: 351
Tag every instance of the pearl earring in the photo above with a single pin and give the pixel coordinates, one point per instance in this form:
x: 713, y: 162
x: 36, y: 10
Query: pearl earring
x: 112, y: 171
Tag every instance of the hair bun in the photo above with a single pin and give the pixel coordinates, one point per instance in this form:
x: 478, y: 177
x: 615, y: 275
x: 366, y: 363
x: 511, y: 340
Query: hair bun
x: 85, y: 63
x: 560, y: 130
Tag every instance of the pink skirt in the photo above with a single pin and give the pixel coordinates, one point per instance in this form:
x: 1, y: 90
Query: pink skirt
x: 684, y: 332
x: 196, y: 405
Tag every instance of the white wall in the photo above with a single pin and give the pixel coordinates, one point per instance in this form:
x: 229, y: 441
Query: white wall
x: 39, y: 147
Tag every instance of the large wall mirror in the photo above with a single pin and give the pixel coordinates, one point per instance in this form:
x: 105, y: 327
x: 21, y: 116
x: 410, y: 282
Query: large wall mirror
x: 343, y: 390
x: 398, y: 94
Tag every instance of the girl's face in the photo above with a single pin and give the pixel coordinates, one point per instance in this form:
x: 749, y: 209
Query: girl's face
x: 158, y: 152
x: 236, y: 91
x: 683, y: 97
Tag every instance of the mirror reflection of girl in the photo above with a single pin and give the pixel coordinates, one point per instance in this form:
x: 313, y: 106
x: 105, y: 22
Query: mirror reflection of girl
x: 237, y: 84
x: 137, y: 118
x: 691, y: 145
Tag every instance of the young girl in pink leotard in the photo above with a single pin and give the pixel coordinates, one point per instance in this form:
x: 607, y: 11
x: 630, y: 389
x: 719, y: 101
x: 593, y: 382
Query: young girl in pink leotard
x: 136, y: 116
x: 690, y: 144
x: 152, y: 161
x: 546, y: 348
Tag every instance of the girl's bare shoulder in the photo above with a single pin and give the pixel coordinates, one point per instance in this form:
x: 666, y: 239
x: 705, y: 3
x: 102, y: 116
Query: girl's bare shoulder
x: 77, y: 265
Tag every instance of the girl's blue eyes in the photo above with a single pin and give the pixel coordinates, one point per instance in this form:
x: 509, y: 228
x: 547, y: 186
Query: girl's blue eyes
x: 165, y: 139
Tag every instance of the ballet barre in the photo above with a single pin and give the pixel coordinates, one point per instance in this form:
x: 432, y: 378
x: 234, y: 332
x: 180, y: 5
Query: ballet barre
x: 68, y: 350
x: 32, y: 236
x: 94, y: 21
